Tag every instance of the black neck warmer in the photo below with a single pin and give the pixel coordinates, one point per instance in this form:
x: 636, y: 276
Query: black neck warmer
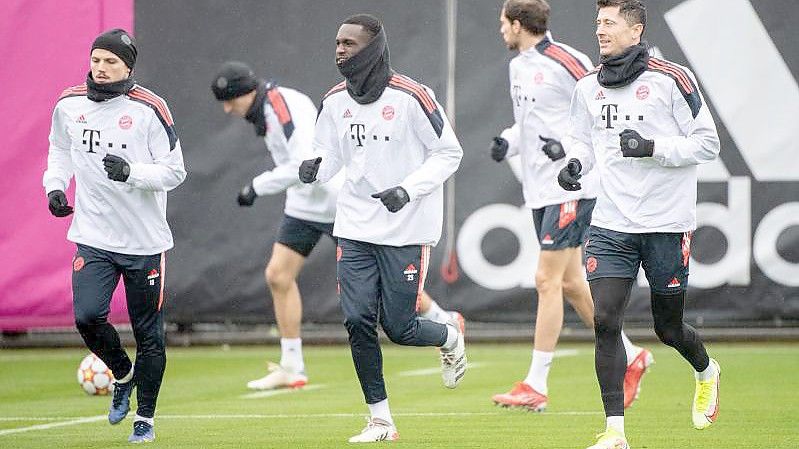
x: 621, y: 70
x: 106, y: 91
x: 368, y: 72
x: 256, y: 113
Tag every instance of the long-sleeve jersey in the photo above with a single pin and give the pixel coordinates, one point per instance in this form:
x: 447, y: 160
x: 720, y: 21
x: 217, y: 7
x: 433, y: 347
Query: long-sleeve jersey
x: 290, y: 119
x: 649, y: 194
x: 542, y: 80
x: 402, y: 139
x: 124, y: 217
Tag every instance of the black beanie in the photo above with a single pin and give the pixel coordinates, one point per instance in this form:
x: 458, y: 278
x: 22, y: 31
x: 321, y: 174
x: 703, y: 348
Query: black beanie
x: 234, y: 79
x: 120, y: 43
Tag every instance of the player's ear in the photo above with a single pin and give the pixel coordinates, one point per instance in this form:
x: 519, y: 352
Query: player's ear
x: 638, y: 30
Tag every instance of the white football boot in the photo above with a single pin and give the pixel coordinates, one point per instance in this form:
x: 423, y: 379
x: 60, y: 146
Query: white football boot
x: 278, y: 377
x: 453, y: 361
x: 376, y: 430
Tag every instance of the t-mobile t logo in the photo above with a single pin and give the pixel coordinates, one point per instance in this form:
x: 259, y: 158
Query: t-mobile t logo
x: 357, y: 133
x: 93, y: 134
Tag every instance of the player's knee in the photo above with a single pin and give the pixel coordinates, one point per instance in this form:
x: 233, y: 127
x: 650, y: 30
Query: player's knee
x: 401, y: 334
x: 358, y: 324
x: 670, y: 335
x: 606, y: 324
x: 277, y: 279
x: 546, y: 283
x: 88, y: 318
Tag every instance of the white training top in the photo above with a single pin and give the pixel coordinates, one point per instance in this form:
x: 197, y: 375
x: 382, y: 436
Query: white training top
x: 650, y: 194
x: 124, y: 217
x: 542, y: 80
x: 402, y: 139
x: 290, y: 117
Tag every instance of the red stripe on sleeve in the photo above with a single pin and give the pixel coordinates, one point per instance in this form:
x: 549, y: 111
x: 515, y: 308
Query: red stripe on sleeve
x: 681, y: 76
x: 418, y: 90
x: 155, y: 101
x: 279, y: 105
x: 571, y: 64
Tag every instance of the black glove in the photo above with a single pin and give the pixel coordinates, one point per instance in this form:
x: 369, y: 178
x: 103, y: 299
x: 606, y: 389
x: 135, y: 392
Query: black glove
x: 247, y: 196
x: 308, y: 170
x: 117, y: 168
x: 570, y: 174
x: 552, y: 148
x: 394, y: 198
x: 499, y: 148
x: 633, y: 145
x: 57, y: 202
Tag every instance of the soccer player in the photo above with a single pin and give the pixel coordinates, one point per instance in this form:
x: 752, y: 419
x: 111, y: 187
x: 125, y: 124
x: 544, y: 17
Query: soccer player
x: 284, y: 118
x: 398, y: 149
x: 542, y: 78
x: 642, y: 123
x: 118, y: 139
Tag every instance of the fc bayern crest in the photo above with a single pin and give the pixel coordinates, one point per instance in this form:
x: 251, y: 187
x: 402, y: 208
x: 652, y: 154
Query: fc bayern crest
x: 642, y: 92
x: 388, y: 112
x: 125, y: 122
x: 538, y: 78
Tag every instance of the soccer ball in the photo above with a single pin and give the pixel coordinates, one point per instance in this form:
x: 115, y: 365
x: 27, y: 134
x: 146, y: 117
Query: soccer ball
x: 94, y: 377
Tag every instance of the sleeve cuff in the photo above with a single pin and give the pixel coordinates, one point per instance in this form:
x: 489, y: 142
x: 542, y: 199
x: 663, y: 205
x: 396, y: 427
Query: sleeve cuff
x: 658, y: 152
x: 411, y: 194
x: 54, y: 185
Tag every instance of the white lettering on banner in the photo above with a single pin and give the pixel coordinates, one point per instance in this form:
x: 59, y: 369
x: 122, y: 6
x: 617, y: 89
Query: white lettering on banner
x: 765, y: 244
x: 521, y: 271
x: 734, y: 221
x: 761, y: 120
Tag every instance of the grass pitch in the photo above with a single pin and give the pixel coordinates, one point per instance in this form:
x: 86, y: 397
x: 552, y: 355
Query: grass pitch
x: 204, y: 402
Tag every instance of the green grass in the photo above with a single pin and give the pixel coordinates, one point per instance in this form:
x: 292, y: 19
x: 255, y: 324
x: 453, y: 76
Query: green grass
x: 759, y: 401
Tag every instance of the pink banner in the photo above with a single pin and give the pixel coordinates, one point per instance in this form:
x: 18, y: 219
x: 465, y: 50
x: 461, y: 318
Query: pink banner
x: 45, y: 46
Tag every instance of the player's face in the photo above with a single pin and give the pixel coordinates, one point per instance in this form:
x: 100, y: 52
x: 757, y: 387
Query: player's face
x: 506, y: 29
x: 239, y: 106
x: 106, y: 67
x: 614, y: 33
x: 351, y: 39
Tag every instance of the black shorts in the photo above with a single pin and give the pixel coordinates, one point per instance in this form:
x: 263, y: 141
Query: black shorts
x: 564, y: 225
x: 302, y: 235
x: 664, y: 257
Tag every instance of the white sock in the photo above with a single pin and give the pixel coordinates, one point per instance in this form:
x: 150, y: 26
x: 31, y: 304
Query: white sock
x: 707, y: 374
x: 436, y: 313
x: 291, y: 354
x: 381, y: 410
x: 629, y: 348
x: 452, y: 338
x: 539, y: 371
x: 150, y: 421
x: 128, y: 377
x: 616, y: 423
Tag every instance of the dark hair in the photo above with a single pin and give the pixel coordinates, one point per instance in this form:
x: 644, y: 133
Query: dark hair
x: 533, y: 15
x: 370, y: 23
x: 634, y: 11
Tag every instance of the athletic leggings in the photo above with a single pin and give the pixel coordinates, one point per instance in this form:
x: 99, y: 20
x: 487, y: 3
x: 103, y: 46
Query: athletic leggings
x: 611, y: 296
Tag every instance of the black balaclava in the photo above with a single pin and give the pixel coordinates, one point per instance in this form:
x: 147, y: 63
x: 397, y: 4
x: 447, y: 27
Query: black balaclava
x: 621, y: 70
x: 120, y: 43
x: 106, y: 91
x: 256, y: 113
x: 368, y: 72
